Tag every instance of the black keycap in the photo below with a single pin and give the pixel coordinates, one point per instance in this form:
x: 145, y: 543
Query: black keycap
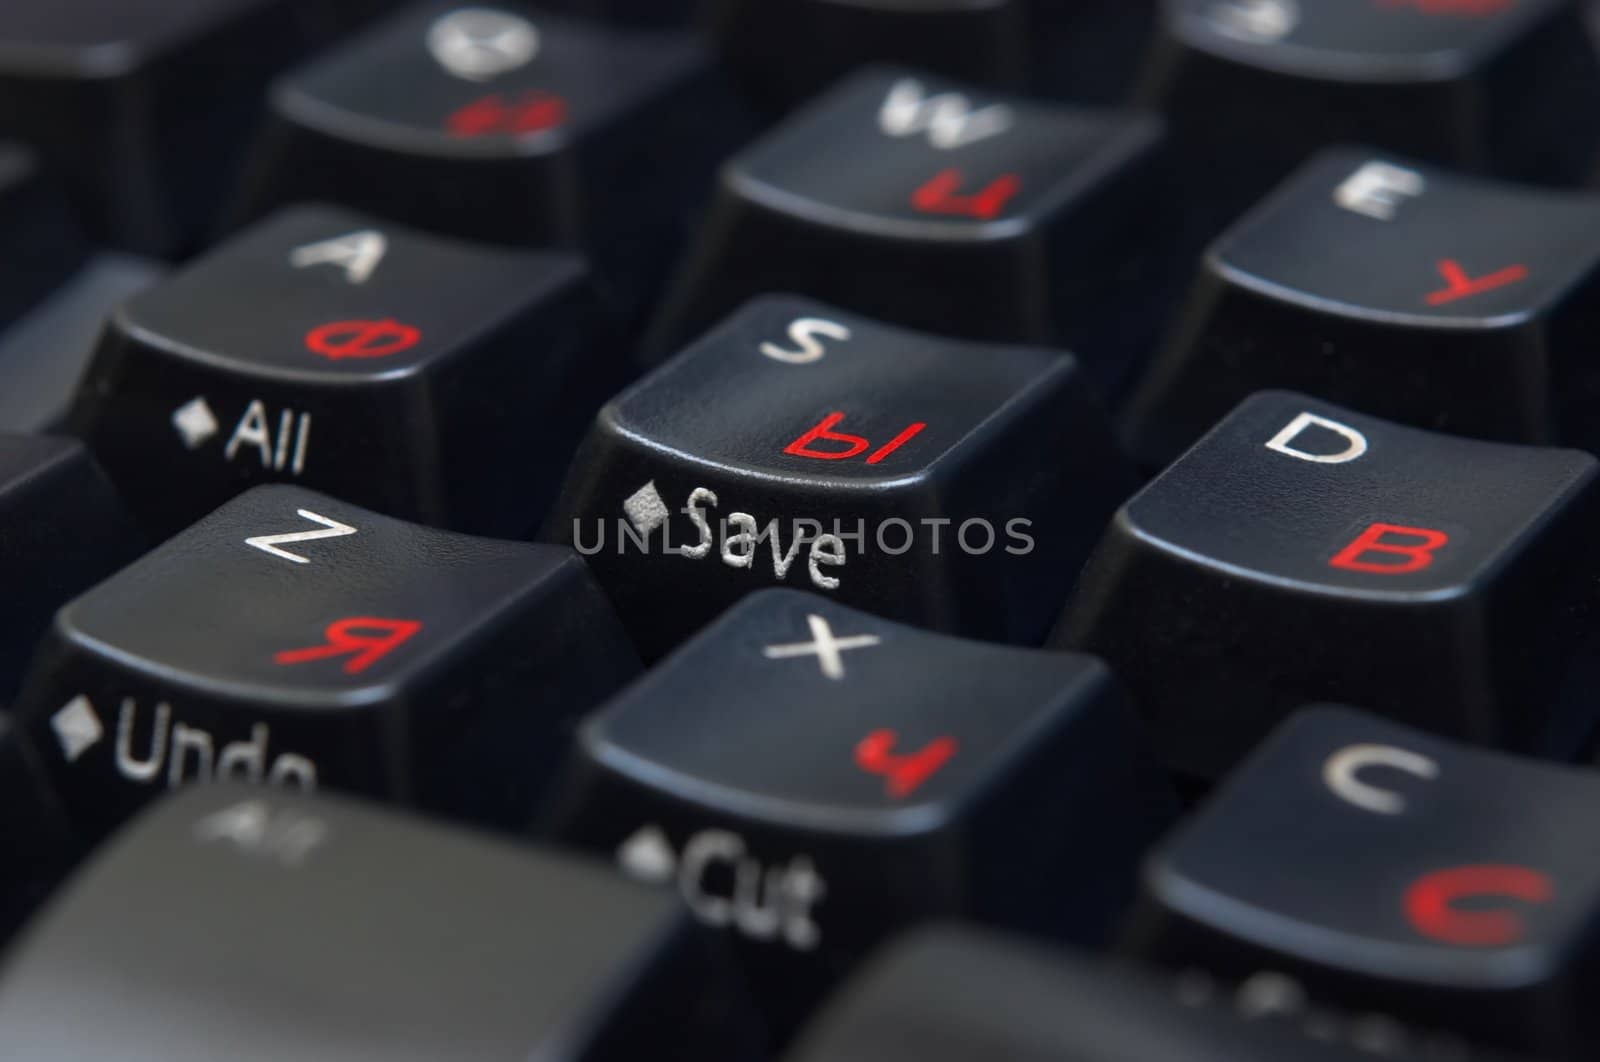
x: 33, y: 832
x: 61, y: 531
x: 1304, y: 552
x: 501, y: 125
x: 1448, y: 302
x: 628, y: 12
x: 1255, y: 86
x: 142, y: 106
x: 785, y: 51
x: 948, y: 994
x: 40, y: 244
x: 297, y: 640
x: 932, y: 205
x: 809, y: 777
x: 433, y: 380
x: 44, y: 355
x: 259, y: 927
x: 1382, y: 868
x: 953, y: 485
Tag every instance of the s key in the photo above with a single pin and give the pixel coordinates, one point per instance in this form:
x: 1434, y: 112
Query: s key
x: 1387, y: 869
x: 903, y: 473
x: 298, y: 641
x: 809, y: 778
x: 1411, y: 292
x: 324, y: 348
x: 1033, y: 223
x: 1303, y: 552
x: 223, y: 910
x: 501, y: 124
x: 1253, y: 87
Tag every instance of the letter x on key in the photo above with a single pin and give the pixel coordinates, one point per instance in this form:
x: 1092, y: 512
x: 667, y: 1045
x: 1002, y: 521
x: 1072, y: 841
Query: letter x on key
x: 824, y: 646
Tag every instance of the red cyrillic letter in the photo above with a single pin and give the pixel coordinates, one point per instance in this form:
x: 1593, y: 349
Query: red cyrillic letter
x: 905, y: 774
x: 1418, y: 555
x: 364, y: 650
x: 1429, y: 900
x: 801, y: 446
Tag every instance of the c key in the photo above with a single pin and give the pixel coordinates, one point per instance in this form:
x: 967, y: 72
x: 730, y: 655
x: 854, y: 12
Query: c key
x: 1303, y: 552
x: 955, y: 485
x: 810, y: 778
x: 297, y: 641
x: 1449, y: 302
x: 1033, y: 223
x: 330, y: 350
x: 1388, y: 870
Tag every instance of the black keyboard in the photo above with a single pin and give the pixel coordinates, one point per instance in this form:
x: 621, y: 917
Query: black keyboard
x: 799, y: 530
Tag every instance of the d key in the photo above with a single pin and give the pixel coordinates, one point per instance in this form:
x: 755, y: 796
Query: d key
x: 904, y: 473
x: 1388, y: 870
x: 1032, y: 222
x: 1305, y: 552
x: 1411, y: 292
x: 293, y: 640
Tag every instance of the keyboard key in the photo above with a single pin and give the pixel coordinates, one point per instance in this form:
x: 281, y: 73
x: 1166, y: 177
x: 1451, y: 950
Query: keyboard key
x: 297, y: 640
x: 1304, y: 552
x: 1387, y: 869
x: 903, y: 473
x: 935, y: 206
x: 33, y: 832
x: 44, y: 355
x: 507, y: 127
x: 1253, y: 87
x: 1444, y: 301
x: 809, y: 777
x: 142, y: 107
x: 40, y: 244
x: 322, y: 348
x: 61, y: 531
x: 291, y: 928
x: 631, y: 12
x: 785, y: 51
x: 948, y: 994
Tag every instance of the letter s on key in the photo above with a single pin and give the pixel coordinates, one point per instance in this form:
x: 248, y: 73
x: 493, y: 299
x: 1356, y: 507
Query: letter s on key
x: 1341, y: 772
x: 803, y: 333
x: 1283, y: 442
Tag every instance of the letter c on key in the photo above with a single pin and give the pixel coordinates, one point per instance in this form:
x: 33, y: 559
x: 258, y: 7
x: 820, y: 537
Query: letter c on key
x: 1343, y: 767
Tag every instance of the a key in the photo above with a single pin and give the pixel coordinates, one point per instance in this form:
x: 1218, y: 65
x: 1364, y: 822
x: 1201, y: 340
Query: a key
x: 949, y: 994
x: 953, y: 485
x: 33, y: 832
x: 298, y: 641
x: 938, y: 206
x: 1449, y: 302
x: 1389, y: 870
x: 285, y: 927
x: 40, y: 243
x: 508, y: 126
x: 785, y: 51
x: 142, y: 106
x: 61, y: 531
x: 1253, y: 87
x: 1304, y: 552
x: 809, y: 777
x: 407, y: 372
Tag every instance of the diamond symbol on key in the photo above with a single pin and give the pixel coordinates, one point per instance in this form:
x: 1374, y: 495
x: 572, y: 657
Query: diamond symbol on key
x: 648, y: 856
x: 77, y: 727
x: 645, y: 509
x: 195, y: 422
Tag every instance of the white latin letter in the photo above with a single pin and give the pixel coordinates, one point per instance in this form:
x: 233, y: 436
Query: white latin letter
x: 357, y: 253
x: 1342, y: 767
x: 1283, y: 442
x: 697, y: 516
x: 803, y: 334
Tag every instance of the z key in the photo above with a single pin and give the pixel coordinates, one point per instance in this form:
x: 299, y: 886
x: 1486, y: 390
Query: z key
x: 931, y: 204
x: 1373, y: 867
x: 294, y: 640
x: 1303, y: 552
x: 809, y: 778
x: 1449, y: 302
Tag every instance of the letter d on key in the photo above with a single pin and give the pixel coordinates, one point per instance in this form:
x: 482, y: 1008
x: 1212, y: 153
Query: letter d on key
x: 1283, y: 442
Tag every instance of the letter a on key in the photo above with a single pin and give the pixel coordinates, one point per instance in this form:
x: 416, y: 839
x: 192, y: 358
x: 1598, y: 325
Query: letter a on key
x: 1283, y: 442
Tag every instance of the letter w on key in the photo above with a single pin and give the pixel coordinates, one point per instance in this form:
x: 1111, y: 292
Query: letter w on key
x: 947, y: 118
x: 270, y: 543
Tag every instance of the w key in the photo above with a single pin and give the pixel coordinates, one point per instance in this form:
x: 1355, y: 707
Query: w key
x: 327, y: 349
x: 955, y: 485
x: 1034, y: 223
x: 1304, y: 552
x: 1449, y: 302
x: 293, y: 640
